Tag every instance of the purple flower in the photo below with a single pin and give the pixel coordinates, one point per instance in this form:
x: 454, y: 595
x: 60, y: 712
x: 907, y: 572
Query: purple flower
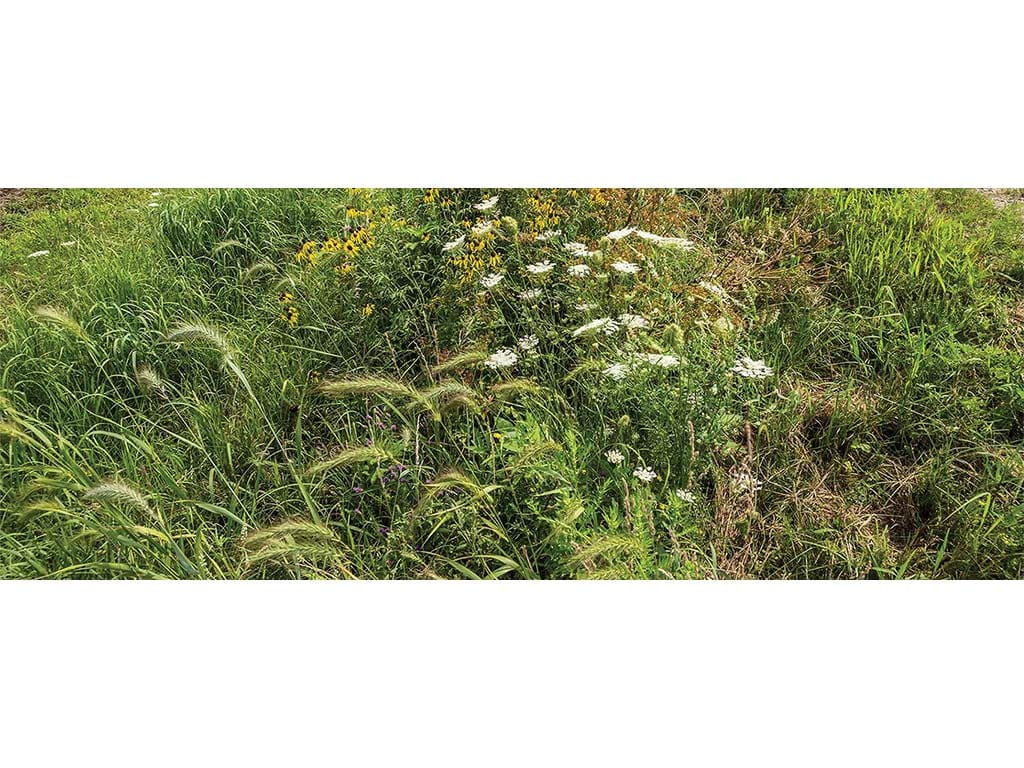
x: 358, y: 489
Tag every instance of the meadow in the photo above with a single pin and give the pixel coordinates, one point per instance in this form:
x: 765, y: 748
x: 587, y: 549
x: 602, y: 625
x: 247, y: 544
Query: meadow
x: 511, y: 383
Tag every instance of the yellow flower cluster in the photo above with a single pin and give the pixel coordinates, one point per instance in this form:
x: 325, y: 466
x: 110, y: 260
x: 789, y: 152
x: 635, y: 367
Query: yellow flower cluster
x: 368, y: 310
x: 597, y: 197
x: 289, y: 313
x: 545, y: 212
x: 470, y: 261
x: 432, y: 196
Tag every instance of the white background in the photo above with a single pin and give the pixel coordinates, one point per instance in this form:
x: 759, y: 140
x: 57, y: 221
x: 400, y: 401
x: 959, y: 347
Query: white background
x: 510, y: 94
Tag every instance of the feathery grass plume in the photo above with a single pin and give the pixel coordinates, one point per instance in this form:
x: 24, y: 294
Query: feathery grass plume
x: 150, y: 382
x: 611, y: 548
x: 351, y: 455
x: 507, y: 390
x: 380, y: 387
x: 449, y: 394
x: 116, y: 492
x: 256, y: 269
x: 298, y: 547
x: 453, y: 479
x: 464, y: 360
x: 61, y: 319
x: 201, y: 332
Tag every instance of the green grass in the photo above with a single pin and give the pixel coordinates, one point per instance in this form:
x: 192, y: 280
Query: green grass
x: 182, y: 397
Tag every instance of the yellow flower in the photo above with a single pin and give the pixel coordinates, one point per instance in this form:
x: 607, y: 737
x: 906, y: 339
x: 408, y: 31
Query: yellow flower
x: 368, y: 310
x: 496, y: 435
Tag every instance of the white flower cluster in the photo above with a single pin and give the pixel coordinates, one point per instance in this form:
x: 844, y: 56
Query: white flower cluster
x: 528, y: 344
x: 685, y: 496
x: 626, y: 267
x: 614, y: 456
x: 487, y: 204
x: 491, y: 280
x: 454, y: 243
x: 605, y: 324
x: 548, y: 234
x: 502, y: 358
x: 579, y: 270
x: 680, y: 242
x: 530, y: 294
x: 632, y: 322
x: 540, y: 267
x: 751, y: 369
x: 483, y: 227
x: 645, y: 474
x: 742, y: 481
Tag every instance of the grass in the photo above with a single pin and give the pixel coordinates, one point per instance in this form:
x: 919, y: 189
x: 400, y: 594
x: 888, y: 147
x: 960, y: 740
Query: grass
x: 303, y: 384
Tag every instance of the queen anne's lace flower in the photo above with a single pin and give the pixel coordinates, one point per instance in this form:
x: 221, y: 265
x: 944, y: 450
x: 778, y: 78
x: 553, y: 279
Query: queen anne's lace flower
x: 662, y: 361
x: 483, y: 227
x: 576, y: 248
x: 579, y: 270
x: 502, y: 358
x: 454, y: 243
x: 685, y: 496
x: 530, y: 294
x: 547, y: 234
x: 487, y: 204
x: 743, y: 481
x: 632, y: 322
x: 616, y: 371
x: 491, y: 280
x: 540, y: 267
x: 618, y: 234
x: 626, y: 267
x: 645, y: 474
x: 614, y: 456
x: 751, y: 369
x: 605, y: 324
x: 528, y: 343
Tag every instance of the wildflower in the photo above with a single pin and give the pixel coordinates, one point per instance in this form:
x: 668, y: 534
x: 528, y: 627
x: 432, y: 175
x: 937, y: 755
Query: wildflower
x: 632, y: 322
x: 626, y: 267
x: 751, y: 369
x: 614, y: 456
x: 605, y: 324
x: 679, y: 241
x: 496, y: 435
x: 487, y: 204
x: 530, y: 294
x: 290, y: 315
x: 685, y: 496
x: 579, y: 270
x: 714, y: 290
x: 502, y: 358
x: 616, y: 371
x: 548, y: 234
x: 528, y: 343
x: 368, y: 310
x: 491, y: 280
x: 742, y: 481
x: 586, y: 306
x: 540, y: 267
x: 662, y: 361
x: 645, y: 474
x: 454, y: 243
x: 618, y: 234
x: 576, y: 248
x: 483, y: 228
x: 285, y: 297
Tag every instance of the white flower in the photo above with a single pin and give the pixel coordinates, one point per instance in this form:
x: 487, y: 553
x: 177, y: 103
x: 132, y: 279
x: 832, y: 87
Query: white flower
x: 616, y: 371
x: 751, y: 369
x: 618, y: 234
x: 685, y: 496
x: 693, y: 398
x: 547, y: 234
x: 614, y: 456
x: 579, y: 270
x: 663, y: 361
x: 491, y: 280
x: 576, y: 248
x: 38, y: 253
x: 454, y: 243
x: 605, y: 324
x: 483, y: 227
x: 503, y: 358
x: 487, y: 204
x: 586, y: 306
x: 744, y: 482
x: 530, y: 294
x: 626, y: 267
x: 714, y: 290
x: 645, y: 474
x: 528, y: 343
x: 540, y: 267
x: 681, y: 242
x: 632, y: 322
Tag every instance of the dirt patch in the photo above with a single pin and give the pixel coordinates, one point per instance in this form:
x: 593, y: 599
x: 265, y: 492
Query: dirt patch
x: 1003, y: 197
